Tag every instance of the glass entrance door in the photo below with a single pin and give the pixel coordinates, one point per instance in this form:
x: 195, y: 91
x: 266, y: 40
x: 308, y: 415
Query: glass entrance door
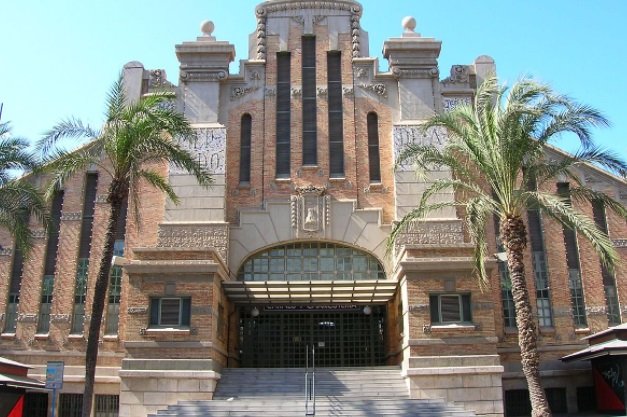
x: 279, y: 337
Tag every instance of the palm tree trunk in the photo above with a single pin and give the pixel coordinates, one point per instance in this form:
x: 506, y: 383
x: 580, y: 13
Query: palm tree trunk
x: 115, y: 199
x: 514, y: 237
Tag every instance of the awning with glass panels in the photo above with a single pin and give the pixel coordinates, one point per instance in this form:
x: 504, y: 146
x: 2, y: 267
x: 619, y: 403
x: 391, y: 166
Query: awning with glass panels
x: 311, y: 272
x: 307, y: 292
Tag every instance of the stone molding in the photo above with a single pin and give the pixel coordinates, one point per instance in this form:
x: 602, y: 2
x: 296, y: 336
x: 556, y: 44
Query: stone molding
x: 376, y: 88
x: 432, y: 232
x: 202, y: 74
x: 60, y: 318
x: 460, y: 74
x: 6, y: 252
x: 239, y: 92
x: 27, y: 317
x: 620, y: 243
x: 282, y: 6
x: 432, y: 72
x: 39, y: 234
x: 74, y: 216
x: 137, y: 310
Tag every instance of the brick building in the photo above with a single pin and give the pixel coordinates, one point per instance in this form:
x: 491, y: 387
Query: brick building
x: 288, y: 248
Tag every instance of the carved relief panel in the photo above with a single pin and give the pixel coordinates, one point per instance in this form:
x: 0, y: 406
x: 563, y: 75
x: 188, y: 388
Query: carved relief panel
x: 309, y: 211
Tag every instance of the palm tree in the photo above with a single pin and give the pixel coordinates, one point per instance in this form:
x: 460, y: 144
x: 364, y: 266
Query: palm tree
x: 19, y: 199
x: 135, y: 138
x: 496, y: 149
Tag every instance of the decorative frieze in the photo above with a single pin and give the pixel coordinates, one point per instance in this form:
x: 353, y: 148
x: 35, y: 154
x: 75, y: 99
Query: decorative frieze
x: 321, y: 92
x: 297, y: 92
x: 239, y: 92
x: 39, y: 233
x: 432, y: 233
x: 157, y: 78
x: 270, y: 92
x: 6, y: 251
x: 60, y: 318
x: 405, y: 135
x: 102, y: 198
x: 432, y: 72
x: 137, y: 310
x: 195, y: 236
x: 261, y: 32
x: 376, y: 88
x: 283, y: 6
x: 348, y: 91
x: 620, y: 243
x: 72, y: 216
x: 208, y: 147
x: 449, y: 103
x: 361, y: 72
x: 27, y: 318
x: 356, y: 31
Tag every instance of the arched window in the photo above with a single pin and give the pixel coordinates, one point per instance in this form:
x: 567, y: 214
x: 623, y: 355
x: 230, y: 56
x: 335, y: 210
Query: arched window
x: 244, y: 156
x: 311, y: 262
x: 373, y: 147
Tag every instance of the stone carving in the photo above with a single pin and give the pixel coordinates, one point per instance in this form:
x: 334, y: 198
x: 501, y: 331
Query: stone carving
x: 620, y: 243
x: 72, y: 216
x: 376, y: 189
x: 1, y: 317
x: 431, y: 233
x: 60, y: 318
x: 203, y: 75
x: 361, y: 72
x: 271, y: 7
x: 239, y: 92
x: 309, y: 214
x: 377, y: 88
x: 27, y: 317
x: 297, y: 92
x: 254, y: 76
x: 137, y: 310
x: 270, y: 92
x: 318, y: 19
x: 459, y: 74
x: 195, y: 236
x: 208, y: 147
x: 261, y: 33
x: 157, y: 78
x: 6, y: 251
x: 299, y: 20
x: 321, y: 91
x: 449, y: 103
x: 39, y: 234
x: 348, y: 91
x: 414, y: 134
x: 102, y: 198
x: 398, y: 72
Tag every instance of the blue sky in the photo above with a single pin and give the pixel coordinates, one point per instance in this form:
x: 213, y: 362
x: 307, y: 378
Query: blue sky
x: 59, y: 58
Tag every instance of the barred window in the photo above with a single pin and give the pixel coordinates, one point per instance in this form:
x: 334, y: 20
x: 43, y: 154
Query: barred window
x: 308, y: 60
x: 107, y: 406
x: 336, y: 114
x: 245, y: 148
x: 373, y: 147
x: 283, y: 115
x: 170, y: 312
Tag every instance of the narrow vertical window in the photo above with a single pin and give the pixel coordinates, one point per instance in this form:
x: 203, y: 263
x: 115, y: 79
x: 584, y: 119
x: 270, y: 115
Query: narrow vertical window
x: 309, y: 100
x: 82, y: 267
x: 245, y: 148
x: 115, y: 278
x: 373, y: 147
x: 536, y: 236
x: 336, y: 119
x: 50, y: 264
x: 507, y: 298
x: 283, y: 118
x: 609, y: 281
x: 10, y: 318
x: 572, y: 261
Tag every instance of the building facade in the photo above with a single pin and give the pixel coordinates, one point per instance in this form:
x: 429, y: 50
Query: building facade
x: 288, y: 248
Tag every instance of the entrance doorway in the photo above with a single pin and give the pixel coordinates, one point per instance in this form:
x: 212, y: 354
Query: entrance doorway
x: 278, y: 336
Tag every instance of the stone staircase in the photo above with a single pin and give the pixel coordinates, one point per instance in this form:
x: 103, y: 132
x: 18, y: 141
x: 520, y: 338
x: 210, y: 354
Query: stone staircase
x: 339, y: 392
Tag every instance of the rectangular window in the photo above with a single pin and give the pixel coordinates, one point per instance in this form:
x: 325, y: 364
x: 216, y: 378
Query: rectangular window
x: 309, y: 100
x: 373, y: 147
x: 35, y: 404
x: 10, y: 320
x: 106, y: 406
x: 245, y: 148
x: 507, y: 298
x: 336, y: 114
x: 283, y: 117
x: 609, y: 281
x: 170, y: 312
x: 84, y: 245
x: 115, y: 277
x: 572, y: 261
x: 543, y: 296
x: 50, y: 263
x: 450, y: 308
x: 70, y: 405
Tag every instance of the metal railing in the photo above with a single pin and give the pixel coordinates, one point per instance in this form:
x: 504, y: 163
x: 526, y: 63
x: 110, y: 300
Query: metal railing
x: 310, y: 382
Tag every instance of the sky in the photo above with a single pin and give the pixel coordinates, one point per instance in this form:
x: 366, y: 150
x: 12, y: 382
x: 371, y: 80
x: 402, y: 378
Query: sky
x: 59, y: 58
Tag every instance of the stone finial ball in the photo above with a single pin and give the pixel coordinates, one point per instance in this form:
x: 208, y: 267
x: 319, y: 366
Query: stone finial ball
x: 207, y: 27
x: 409, y: 24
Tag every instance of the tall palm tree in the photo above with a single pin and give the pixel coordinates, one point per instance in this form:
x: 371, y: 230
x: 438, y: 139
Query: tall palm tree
x: 19, y: 199
x: 496, y: 148
x: 134, y: 138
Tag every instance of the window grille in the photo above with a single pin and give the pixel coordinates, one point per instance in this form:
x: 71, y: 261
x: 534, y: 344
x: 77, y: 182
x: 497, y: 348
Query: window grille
x: 245, y: 148
x: 336, y: 114
x: 543, y: 295
x: 35, y: 404
x: 609, y: 280
x: 107, y: 406
x: 373, y: 147
x: 70, y: 405
x: 308, y: 62
x: 283, y: 115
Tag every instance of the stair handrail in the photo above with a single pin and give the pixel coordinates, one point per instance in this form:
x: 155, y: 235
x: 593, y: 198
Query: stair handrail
x: 310, y: 382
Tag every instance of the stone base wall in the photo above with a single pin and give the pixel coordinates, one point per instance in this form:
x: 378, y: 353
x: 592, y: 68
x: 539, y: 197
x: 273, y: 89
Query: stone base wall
x: 151, y: 385
x: 471, y: 382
